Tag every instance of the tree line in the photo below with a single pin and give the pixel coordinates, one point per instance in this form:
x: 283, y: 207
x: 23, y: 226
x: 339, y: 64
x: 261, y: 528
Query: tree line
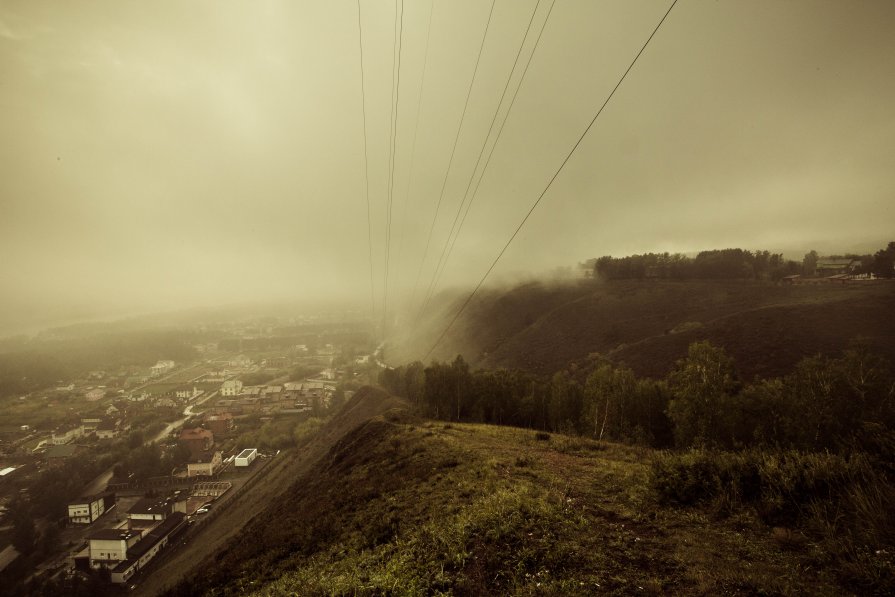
x: 715, y: 264
x: 825, y: 404
x: 733, y: 264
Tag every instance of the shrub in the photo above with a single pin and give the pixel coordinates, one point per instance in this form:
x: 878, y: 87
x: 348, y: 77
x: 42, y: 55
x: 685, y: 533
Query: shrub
x: 843, y: 502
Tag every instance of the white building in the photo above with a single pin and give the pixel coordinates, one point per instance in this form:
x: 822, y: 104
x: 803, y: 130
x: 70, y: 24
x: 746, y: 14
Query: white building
x: 188, y: 393
x: 246, y: 457
x: 108, y: 547
x: 205, y: 465
x: 95, y: 394
x: 125, y: 551
x: 149, y: 510
x: 161, y: 368
x: 66, y: 435
x: 231, y: 387
x: 88, y: 509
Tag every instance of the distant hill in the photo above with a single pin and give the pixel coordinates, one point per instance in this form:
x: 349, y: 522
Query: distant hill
x: 400, y: 505
x: 647, y: 325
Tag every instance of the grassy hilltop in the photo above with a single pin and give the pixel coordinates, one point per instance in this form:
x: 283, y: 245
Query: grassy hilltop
x: 409, y: 506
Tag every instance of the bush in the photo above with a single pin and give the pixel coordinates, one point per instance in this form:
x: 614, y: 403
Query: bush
x: 843, y: 502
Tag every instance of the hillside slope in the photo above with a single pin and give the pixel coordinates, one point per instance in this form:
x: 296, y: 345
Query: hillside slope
x: 290, y: 465
x: 648, y: 324
x: 401, y: 505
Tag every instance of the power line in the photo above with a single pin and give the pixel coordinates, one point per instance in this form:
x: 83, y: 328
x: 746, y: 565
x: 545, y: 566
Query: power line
x: 396, y: 96
x: 416, y: 128
x: 552, y: 179
x: 496, y: 141
x: 452, y: 238
x: 360, y: 43
x: 453, y: 150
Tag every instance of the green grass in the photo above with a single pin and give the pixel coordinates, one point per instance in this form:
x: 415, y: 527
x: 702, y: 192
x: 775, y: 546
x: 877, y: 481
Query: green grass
x: 405, y: 506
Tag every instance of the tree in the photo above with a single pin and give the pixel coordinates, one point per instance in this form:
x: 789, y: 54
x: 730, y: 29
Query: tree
x: 605, y: 392
x: 24, y: 533
x: 702, y: 385
x: 884, y: 262
x: 463, y: 382
x: 565, y: 403
x: 135, y: 439
x: 809, y: 263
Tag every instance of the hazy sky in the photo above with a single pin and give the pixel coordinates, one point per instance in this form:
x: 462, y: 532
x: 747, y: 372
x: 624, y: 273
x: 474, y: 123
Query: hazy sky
x: 165, y: 154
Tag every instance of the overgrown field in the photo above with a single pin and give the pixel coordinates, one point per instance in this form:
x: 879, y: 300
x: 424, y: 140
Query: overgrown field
x: 408, y: 506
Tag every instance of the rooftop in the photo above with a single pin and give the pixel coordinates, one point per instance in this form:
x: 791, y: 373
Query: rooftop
x: 156, y: 535
x: 247, y: 452
x: 151, y: 506
x: 112, y: 534
x: 205, y: 456
x: 148, y: 542
x: 196, y: 433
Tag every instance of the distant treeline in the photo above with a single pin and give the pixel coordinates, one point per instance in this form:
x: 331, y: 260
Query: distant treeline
x: 733, y: 264
x: 841, y: 404
x: 720, y: 264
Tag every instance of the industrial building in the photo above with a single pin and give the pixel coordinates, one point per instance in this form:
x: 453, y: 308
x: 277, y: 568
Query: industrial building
x: 125, y: 551
x: 88, y: 509
x: 246, y: 457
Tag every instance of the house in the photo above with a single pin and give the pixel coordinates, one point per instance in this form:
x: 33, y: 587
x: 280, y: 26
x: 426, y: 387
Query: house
x: 833, y: 266
x: 107, y: 429
x: 160, y: 368
x: 271, y: 393
x: 206, y: 464
x: 250, y: 391
x: 148, y: 511
x: 231, y: 388
x: 240, y: 361
x: 292, y: 386
x: 219, y: 424
x: 198, y: 440
x: 88, y: 509
x: 793, y: 279
x: 65, y: 435
x: 90, y: 423
x: 95, y: 394
x: 275, y: 363
x: 186, y: 392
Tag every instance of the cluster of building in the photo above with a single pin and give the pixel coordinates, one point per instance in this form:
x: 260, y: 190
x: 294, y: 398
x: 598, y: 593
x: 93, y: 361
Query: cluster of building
x: 108, y: 426
x: 835, y: 270
x: 151, y: 525
x: 291, y: 397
